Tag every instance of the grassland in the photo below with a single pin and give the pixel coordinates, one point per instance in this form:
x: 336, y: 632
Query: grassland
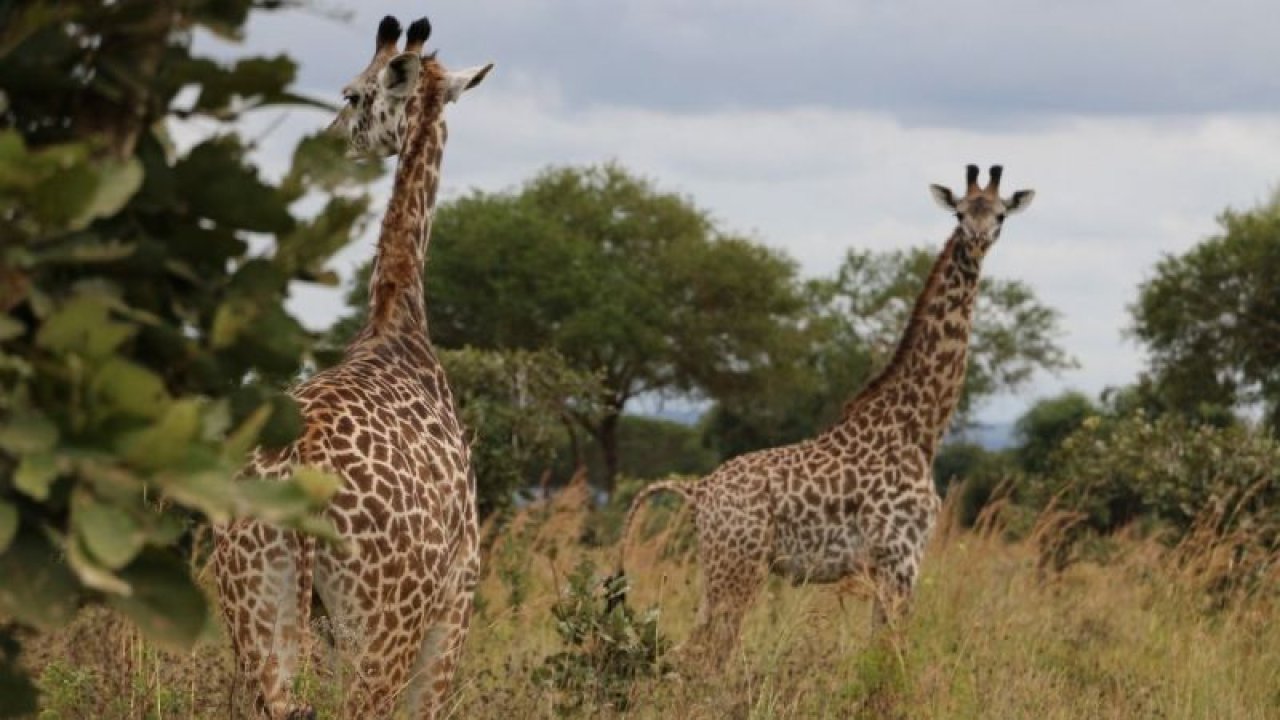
x: 1145, y: 634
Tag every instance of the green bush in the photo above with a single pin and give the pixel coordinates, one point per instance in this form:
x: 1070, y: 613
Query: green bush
x: 1117, y: 470
x: 606, y: 650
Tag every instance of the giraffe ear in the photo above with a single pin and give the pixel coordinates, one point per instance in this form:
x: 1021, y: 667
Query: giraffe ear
x: 400, y: 75
x: 943, y: 197
x: 461, y: 81
x: 1019, y: 201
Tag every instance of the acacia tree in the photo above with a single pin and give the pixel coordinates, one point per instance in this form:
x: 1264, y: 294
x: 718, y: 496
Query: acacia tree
x: 143, y: 347
x: 620, y: 279
x: 1210, y: 321
x: 518, y: 407
x: 855, y: 320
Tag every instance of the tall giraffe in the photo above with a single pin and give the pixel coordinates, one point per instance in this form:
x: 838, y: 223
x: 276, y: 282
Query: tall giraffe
x: 860, y: 496
x: 399, y: 592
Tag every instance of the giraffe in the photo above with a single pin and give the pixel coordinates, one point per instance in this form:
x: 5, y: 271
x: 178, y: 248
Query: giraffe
x: 398, y: 591
x: 860, y: 496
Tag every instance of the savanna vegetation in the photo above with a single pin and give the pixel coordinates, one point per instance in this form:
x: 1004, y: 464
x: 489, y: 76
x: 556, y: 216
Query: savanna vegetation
x: 1118, y: 560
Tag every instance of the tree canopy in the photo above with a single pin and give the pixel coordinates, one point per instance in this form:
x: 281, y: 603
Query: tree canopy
x: 143, y: 345
x: 1210, y: 320
x: 619, y: 278
x: 855, y: 320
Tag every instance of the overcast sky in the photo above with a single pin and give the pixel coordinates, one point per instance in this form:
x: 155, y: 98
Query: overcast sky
x: 815, y: 126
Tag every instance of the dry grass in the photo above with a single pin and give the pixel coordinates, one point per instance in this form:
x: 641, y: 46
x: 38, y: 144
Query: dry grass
x: 992, y: 635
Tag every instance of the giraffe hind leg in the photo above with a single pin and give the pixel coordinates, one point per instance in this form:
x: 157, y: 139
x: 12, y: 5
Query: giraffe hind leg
x: 732, y: 577
x: 441, y: 649
x: 264, y: 583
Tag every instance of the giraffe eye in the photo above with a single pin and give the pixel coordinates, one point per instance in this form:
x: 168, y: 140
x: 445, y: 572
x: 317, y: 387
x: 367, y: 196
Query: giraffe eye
x: 351, y: 99
x: 1000, y: 217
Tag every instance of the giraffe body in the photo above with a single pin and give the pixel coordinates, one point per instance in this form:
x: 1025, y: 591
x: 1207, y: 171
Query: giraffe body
x: 398, y: 592
x: 860, y: 496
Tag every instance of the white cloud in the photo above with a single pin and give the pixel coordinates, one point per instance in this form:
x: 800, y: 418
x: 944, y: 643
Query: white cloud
x: 1113, y: 194
x: 985, y: 62
x: 817, y: 128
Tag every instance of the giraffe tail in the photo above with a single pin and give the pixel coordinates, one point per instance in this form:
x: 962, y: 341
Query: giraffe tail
x: 616, y: 584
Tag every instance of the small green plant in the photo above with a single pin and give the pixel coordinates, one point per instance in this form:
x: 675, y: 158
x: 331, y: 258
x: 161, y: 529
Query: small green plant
x: 512, y: 561
x: 606, y: 649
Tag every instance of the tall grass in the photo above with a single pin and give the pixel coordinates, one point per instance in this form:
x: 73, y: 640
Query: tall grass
x: 994, y: 632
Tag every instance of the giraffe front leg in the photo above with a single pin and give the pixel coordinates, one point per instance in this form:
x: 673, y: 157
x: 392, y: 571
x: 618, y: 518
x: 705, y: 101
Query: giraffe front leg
x: 264, y: 584
x: 895, y: 568
x: 897, y: 549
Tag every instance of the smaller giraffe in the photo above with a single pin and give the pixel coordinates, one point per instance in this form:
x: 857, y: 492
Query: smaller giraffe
x: 860, y: 496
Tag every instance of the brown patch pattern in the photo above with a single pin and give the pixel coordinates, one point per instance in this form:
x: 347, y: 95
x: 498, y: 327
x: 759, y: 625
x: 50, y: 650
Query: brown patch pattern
x: 859, y: 497
x: 399, y: 593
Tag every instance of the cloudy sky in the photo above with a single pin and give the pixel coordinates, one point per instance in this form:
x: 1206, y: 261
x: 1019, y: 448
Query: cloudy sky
x: 816, y: 125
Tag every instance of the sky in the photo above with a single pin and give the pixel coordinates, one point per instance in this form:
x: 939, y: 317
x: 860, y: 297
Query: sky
x: 816, y: 126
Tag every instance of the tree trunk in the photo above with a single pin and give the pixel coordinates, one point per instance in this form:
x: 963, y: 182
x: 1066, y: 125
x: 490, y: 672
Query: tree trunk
x: 119, y: 119
x: 575, y: 447
x: 607, y: 435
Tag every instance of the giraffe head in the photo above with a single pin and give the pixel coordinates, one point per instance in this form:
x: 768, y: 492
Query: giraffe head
x: 375, y: 118
x: 981, y: 211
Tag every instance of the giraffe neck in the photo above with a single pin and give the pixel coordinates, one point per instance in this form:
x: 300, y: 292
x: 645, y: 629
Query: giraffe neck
x: 921, y: 387
x: 396, y: 299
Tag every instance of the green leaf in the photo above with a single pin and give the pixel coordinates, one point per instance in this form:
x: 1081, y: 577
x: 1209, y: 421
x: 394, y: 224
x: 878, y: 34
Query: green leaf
x: 47, y: 595
x: 8, y: 524
x: 165, y: 603
x: 165, y: 441
x: 83, y: 326
x: 10, y: 327
x: 320, y: 160
x: 28, y: 433
x: 93, y: 575
x: 216, y: 184
x: 108, y: 532
x: 285, y: 423
x: 89, y: 249
x: 317, y: 526
x: 73, y: 194
x: 165, y: 529
x: 318, y: 485
x: 116, y: 182
x: 245, y: 437
x: 274, y: 501
x: 35, y: 474
x: 130, y: 389
x: 210, y: 491
x: 232, y: 318
x: 109, y: 479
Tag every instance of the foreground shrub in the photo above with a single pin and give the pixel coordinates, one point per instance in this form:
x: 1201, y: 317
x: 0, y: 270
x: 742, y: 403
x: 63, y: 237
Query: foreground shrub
x: 607, y: 650
x: 1213, y: 492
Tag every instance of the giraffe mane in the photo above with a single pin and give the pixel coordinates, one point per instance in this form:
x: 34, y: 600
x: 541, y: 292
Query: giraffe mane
x: 914, y: 325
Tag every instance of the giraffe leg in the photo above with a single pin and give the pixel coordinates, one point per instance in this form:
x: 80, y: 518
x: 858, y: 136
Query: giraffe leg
x: 376, y: 646
x: 264, y: 580
x: 895, y: 571
x: 733, y: 573
x: 441, y: 649
x: 896, y: 562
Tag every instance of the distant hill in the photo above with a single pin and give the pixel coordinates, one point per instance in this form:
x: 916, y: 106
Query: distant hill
x: 991, y: 436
